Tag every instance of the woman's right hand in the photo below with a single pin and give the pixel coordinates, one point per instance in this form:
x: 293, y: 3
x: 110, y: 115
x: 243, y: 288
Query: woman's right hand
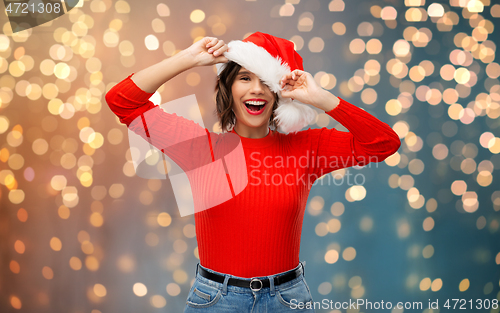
x: 208, y: 51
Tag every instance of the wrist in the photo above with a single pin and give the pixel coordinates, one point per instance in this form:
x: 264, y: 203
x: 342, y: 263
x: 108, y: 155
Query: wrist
x: 185, y: 58
x: 326, y: 101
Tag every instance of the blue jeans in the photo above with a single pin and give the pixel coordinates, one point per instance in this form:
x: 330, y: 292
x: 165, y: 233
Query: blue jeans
x: 210, y: 296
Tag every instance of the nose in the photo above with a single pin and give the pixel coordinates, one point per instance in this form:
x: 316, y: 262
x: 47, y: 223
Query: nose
x: 258, y: 87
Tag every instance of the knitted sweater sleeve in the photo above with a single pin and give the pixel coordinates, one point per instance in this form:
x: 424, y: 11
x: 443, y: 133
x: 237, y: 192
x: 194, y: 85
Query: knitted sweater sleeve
x: 368, y: 140
x: 181, y: 139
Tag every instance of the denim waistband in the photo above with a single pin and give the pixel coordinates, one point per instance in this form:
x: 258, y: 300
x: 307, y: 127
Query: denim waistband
x: 225, y: 287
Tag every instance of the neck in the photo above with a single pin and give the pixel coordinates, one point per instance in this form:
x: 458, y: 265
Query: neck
x: 251, y: 132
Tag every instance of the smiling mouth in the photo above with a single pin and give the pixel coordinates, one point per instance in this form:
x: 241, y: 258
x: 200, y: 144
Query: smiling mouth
x: 254, y: 108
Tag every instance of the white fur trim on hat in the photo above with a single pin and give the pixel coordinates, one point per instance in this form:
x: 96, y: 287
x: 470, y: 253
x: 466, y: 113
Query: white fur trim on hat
x: 291, y: 115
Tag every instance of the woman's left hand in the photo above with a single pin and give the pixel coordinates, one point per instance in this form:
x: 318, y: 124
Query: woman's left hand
x: 301, y: 86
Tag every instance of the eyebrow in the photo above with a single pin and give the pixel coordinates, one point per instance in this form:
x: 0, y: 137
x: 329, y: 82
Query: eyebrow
x: 244, y: 73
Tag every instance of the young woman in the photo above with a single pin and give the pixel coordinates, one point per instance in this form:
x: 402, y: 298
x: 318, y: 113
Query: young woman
x: 249, y: 245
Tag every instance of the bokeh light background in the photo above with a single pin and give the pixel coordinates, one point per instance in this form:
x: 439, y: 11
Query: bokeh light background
x: 81, y: 233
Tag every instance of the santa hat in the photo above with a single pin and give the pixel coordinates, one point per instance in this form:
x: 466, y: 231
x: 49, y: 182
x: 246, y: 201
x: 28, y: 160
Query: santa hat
x: 270, y: 58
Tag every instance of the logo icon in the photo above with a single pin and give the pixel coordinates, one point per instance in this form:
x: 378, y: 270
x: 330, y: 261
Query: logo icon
x: 25, y: 14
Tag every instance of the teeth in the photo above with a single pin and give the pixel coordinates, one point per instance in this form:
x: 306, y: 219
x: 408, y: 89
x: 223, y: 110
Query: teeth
x: 255, y: 102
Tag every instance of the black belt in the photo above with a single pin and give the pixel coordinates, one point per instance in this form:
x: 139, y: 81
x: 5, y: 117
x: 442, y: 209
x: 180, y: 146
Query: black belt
x: 255, y: 284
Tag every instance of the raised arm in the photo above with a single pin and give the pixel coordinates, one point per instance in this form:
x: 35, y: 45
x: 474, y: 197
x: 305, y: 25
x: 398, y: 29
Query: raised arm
x: 368, y: 140
x: 130, y: 97
x: 172, y: 134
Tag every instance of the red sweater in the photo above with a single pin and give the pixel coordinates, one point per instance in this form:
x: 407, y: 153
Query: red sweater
x: 257, y: 232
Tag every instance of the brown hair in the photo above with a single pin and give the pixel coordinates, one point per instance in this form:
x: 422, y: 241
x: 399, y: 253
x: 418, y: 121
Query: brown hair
x: 224, y: 98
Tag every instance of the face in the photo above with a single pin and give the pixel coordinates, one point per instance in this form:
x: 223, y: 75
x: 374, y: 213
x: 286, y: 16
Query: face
x: 252, y: 100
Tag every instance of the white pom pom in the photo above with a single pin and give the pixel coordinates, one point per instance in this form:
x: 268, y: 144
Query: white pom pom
x: 292, y: 116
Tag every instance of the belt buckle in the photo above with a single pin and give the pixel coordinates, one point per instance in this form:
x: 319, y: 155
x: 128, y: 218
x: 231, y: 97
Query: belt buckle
x: 256, y: 289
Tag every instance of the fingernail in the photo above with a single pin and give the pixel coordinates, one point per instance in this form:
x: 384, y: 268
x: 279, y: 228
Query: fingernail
x: 210, y: 50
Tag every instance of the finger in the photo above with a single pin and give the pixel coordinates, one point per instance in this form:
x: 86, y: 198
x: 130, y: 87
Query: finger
x: 212, y: 45
x: 297, y: 74
x: 284, y: 82
x: 217, y: 48
x: 221, y: 50
x: 219, y: 44
x: 286, y: 78
x: 212, y: 41
x: 287, y: 87
x: 289, y: 81
x: 221, y: 59
x: 294, y: 75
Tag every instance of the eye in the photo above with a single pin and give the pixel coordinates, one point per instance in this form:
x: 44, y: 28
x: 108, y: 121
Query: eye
x: 245, y: 78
